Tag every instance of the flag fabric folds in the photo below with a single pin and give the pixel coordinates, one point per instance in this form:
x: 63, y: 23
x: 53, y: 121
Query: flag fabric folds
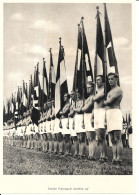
x: 52, y: 79
x: 35, y: 114
x: 61, y: 81
x: 110, y: 53
x: 99, y: 68
x: 83, y: 69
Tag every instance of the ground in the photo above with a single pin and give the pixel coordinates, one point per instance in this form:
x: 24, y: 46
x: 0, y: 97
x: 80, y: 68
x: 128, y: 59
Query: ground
x: 21, y: 161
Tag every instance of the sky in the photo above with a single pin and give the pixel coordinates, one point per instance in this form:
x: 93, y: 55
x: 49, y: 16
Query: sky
x: 31, y: 29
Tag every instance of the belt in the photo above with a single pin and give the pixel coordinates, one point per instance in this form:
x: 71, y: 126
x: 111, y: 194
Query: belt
x: 88, y: 112
x: 64, y: 117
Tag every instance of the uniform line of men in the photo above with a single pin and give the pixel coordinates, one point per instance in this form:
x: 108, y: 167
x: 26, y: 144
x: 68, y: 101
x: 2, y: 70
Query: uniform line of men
x: 79, y: 120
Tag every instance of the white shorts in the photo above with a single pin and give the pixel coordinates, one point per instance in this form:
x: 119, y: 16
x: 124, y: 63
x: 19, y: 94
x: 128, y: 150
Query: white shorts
x: 72, y: 131
x: 99, y: 118
x: 41, y: 128
x: 130, y: 141
x: 79, y: 123
x: 57, y: 129
x: 65, y: 130
x: 48, y: 126
x: 52, y: 126
x: 114, y: 119
x: 88, y: 122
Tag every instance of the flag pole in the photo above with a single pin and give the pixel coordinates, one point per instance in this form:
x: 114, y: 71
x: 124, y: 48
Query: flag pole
x: 26, y: 97
x: 82, y: 63
x: 50, y: 78
x: 43, y: 86
x: 105, y: 60
x: 89, y: 61
x: 31, y: 92
x: 38, y: 85
x: 76, y: 66
x: 95, y: 65
x: 50, y: 74
x: 83, y: 125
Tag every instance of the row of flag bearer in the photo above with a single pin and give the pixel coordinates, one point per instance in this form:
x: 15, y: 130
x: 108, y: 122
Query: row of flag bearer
x: 86, y: 121
x: 48, y: 118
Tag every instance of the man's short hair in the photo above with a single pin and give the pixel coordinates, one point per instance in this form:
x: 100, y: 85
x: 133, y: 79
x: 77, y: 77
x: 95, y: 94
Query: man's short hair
x: 48, y: 101
x: 52, y: 101
x: 102, y: 77
x: 66, y: 94
x: 72, y: 93
x: 90, y: 84
x: 113, y: 74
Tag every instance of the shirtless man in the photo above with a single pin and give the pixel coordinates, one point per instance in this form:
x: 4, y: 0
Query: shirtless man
x: 65, y: 124
x: 79, y: 125
x: 48, y: 127
x: 114, y: 116
x: 71, y: 117
x: 90, y: 131
x: 54, y: 133
x: 99, y: 118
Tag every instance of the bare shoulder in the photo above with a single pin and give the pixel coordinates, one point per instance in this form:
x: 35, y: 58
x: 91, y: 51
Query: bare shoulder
x: 119, y: 90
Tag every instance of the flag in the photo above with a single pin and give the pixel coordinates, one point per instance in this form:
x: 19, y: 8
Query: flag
x: 43, y: 86
x: 100, y: 66
x: 61, y: 81
x: 83, y: 69
x: 126, y: 119
x: 4, y: 113
x: 110, y: 53
x: 52, y: 79
x: 45, y: 83
x: 24, y: 98
x: 35, y: 114
x: 12, y: 104
x: 17, y: 103
x: 99, y: 58
x: 129, y: 118
x: 36, y: 89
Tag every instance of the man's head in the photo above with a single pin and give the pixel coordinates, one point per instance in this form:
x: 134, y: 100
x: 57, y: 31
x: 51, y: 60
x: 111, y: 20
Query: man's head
x: 53, y: 103
x: 90, y: 87
x: 72, y: 95
x: 113, y: 79
x: 66, y: 97
x: 99, y: 81
x: 49, y: 104
x: 78, y: 95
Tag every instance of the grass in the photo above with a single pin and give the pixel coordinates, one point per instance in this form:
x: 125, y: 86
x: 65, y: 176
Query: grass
x: 21, y: 161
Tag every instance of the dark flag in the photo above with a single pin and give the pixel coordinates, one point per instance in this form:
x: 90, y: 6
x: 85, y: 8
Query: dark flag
x: 43, y: 82
x: 29, y: 94
x: 110, y: 53
x: 126, y: 119
x: 99, y: 66
x: 52, y: 79
x: 4, y: 113
x: 24, y: 98
x: 99, y: 58
x: 35, y: 115
x: 129, y: 118
x: 11, y: 107
x: 61, y: 81
x: 83, y: 68
x: 20, y: 109
x: 17, y: 103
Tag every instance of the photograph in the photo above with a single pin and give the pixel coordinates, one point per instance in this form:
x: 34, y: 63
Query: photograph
x: 67, y: 89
